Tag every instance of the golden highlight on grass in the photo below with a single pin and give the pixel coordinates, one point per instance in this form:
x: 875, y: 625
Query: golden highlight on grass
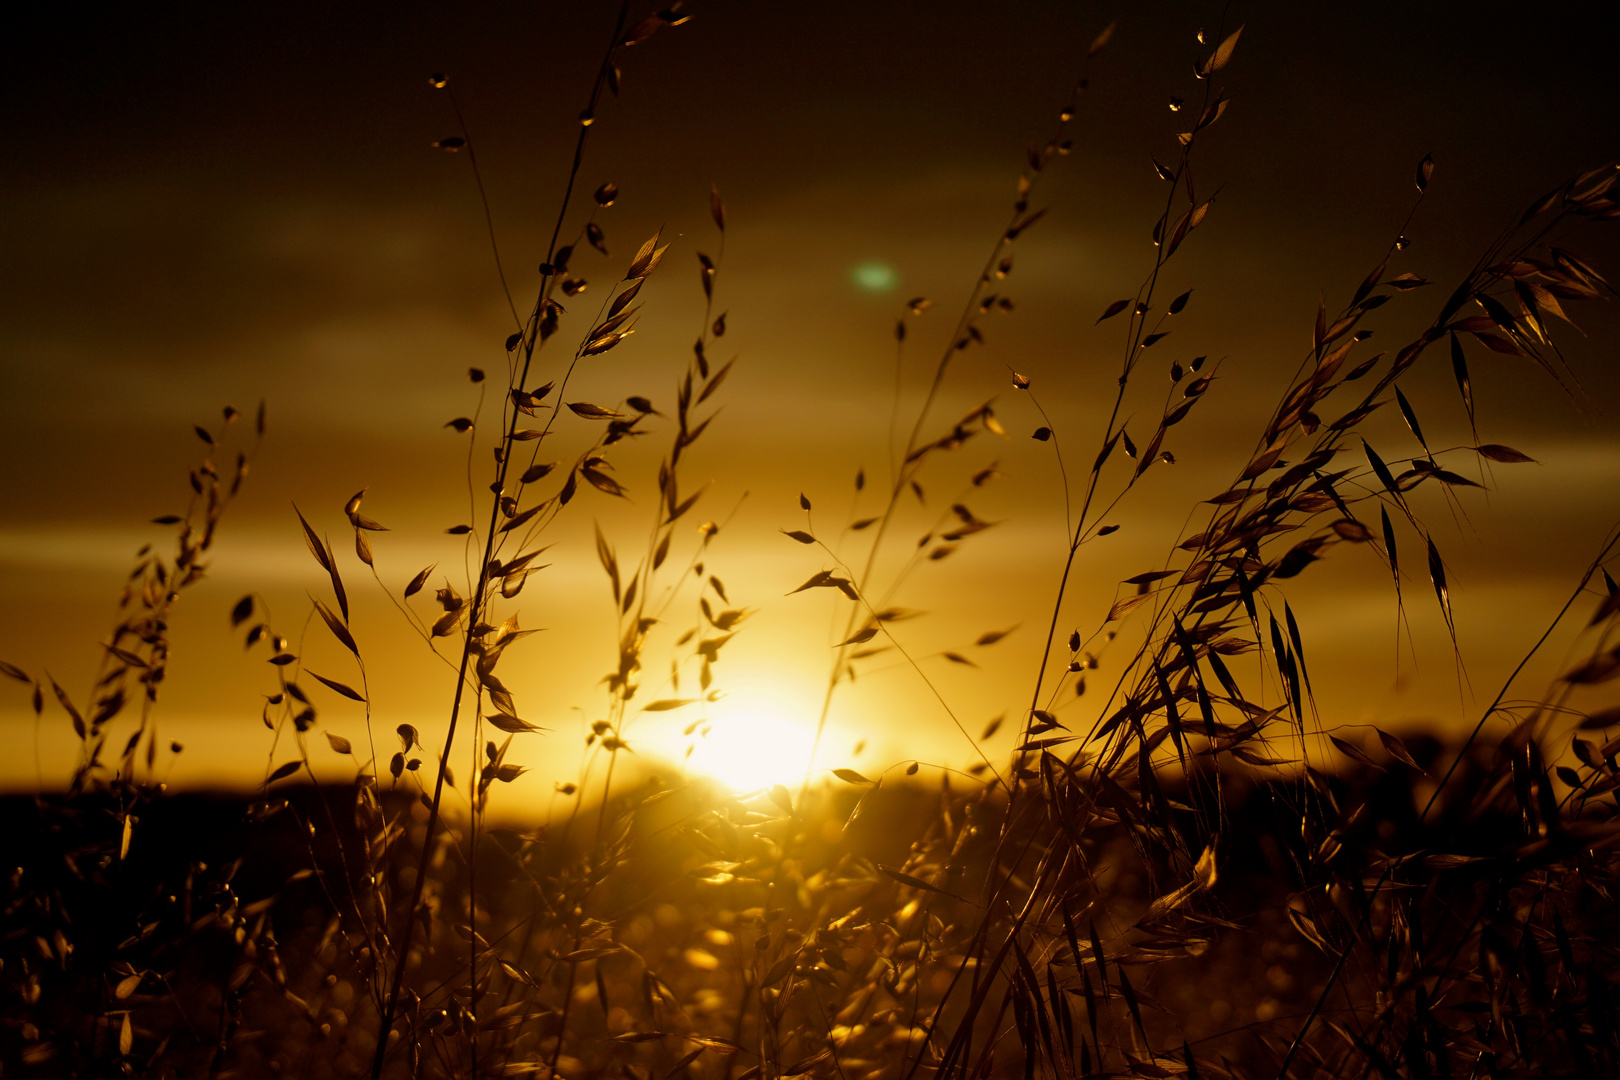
x: 1181, y: 873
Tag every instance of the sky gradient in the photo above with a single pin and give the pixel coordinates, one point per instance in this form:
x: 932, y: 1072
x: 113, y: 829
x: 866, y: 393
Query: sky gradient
x: 206, y: 206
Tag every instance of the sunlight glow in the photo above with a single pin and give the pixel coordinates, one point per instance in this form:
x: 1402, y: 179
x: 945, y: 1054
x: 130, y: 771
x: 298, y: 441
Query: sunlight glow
x: 749, y: 751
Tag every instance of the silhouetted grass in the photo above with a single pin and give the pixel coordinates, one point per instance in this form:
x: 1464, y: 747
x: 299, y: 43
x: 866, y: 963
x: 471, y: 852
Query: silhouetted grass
x: 1182, y: 880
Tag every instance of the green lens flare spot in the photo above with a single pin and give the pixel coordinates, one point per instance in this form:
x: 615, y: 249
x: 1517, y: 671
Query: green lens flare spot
x: 875, y: 277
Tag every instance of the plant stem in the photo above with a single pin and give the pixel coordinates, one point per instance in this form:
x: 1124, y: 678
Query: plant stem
x: 476, y: 601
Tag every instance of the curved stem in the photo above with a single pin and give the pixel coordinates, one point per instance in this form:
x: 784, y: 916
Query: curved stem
x: 476, y: 601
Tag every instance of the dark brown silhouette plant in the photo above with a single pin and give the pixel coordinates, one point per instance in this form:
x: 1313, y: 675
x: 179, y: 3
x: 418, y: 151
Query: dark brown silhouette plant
x: 1418, y: 909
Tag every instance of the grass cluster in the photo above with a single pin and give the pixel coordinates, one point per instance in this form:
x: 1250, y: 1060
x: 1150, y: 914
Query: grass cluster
x: 1191, y: 878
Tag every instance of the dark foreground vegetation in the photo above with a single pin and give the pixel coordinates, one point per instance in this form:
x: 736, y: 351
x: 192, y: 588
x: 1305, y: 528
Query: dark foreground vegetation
x: 1171, y: 876
x: 1478, y: 942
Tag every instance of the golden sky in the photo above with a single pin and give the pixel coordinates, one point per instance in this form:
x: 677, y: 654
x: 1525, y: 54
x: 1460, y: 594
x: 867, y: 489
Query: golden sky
x: 204, y: 206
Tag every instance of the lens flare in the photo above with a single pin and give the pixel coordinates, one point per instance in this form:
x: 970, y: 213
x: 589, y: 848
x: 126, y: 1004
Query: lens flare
x: 875, y: 276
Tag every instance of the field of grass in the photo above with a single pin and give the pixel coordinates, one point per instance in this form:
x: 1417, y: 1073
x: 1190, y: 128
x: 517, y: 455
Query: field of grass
x: 1176, y: 871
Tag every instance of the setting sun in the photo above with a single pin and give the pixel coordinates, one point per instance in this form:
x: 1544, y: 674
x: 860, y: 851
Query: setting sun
x: 604, y: 541
x: 753, y: 750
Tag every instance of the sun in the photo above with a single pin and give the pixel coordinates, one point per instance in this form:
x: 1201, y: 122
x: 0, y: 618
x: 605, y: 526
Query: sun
x: 752, y: 750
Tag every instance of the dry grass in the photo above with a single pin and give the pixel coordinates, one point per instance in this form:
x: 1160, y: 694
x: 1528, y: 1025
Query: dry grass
x: 1186, y: 883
